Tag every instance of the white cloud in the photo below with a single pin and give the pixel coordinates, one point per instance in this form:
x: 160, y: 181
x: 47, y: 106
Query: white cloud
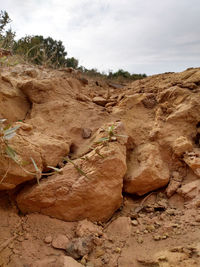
x: 140, y: 36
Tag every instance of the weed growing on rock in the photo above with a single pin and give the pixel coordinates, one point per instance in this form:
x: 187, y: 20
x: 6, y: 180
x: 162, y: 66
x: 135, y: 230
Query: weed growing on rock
x: 97, y: 151
x: 76, y: 167
x: 39, y: 174
x: 7, y: 133
x: 111, y: 135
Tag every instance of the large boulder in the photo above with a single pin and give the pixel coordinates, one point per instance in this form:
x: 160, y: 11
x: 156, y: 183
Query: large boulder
x: 146, y: 170
x: 92, y: 188
x: 44, y: 150
x: 14, y: 104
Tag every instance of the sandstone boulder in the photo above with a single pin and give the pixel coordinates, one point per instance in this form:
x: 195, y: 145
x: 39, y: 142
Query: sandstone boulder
x: 146, y: 170
x: 52, y: 149
x: 37, y: 91
x: 44, y: 150
x: 12, y: 99
x: 13, y: 173
x: 187, y: 110
x: 190, y: 190
x: 95, y: 193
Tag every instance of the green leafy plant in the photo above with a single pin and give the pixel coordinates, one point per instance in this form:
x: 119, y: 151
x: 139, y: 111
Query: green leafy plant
x: 6, y: 35
x: 39, y: 174
x: 41, y: 51
x: 111, y: 135
x: 97, y: 151
x: 6, y: 135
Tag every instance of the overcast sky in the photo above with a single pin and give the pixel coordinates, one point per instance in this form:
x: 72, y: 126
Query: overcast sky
x: 141, y: 36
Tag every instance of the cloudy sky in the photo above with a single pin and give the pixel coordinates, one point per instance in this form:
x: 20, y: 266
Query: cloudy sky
x: 141, y: 36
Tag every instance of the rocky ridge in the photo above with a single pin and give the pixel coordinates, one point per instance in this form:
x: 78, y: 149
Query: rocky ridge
x: 132, y: 140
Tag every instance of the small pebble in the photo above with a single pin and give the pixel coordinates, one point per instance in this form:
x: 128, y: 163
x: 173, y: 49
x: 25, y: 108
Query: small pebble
x: 171, y: 211
x: 150, y: 227
x: 48, y: 239
x: 140, y: 240
x: 156, y: 237
x: 118, y: 250
x: 134, y: 222
x: 162, y: 258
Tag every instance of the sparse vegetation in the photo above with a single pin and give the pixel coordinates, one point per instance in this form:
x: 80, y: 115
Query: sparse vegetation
x: 6, y: 35
x: 118, y: 76
x: 6, y: 134
x: 111, y: 135
x: 72, y: 63
x: 41, y: 51
x: 79, y: 170
x: 49, y: 53
x: 122, y: 74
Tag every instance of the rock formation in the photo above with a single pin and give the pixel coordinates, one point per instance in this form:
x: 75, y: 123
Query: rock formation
x: 61, y: 117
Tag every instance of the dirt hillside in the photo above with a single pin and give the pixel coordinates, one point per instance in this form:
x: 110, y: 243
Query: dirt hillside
x: 116, y: 175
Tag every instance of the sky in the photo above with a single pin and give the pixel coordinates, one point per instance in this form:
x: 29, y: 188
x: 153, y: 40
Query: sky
x: 140, y: 36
